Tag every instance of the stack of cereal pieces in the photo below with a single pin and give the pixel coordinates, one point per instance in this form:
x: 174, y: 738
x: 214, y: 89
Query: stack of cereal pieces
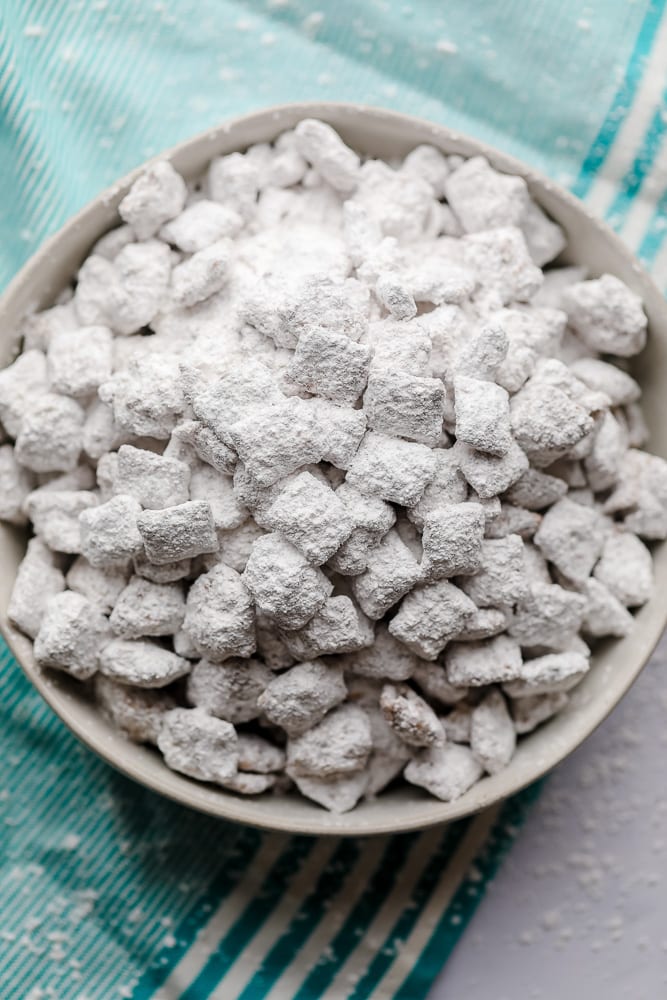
x: 328, y: 481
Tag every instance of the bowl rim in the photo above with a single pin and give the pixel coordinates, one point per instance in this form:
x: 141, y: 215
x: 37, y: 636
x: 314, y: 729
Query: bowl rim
x: 421, y: 814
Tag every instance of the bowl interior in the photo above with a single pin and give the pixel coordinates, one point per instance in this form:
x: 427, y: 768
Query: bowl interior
x: 616, y: 664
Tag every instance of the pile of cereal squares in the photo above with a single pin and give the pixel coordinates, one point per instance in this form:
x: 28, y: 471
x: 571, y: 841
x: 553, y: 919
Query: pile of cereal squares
x: 330, y: 484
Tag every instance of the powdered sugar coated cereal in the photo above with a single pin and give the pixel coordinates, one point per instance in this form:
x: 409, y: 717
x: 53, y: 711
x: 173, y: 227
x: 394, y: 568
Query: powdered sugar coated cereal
x: 326, y: 456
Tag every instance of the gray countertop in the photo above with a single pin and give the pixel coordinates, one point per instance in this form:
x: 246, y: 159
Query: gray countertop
x: 579, y: 908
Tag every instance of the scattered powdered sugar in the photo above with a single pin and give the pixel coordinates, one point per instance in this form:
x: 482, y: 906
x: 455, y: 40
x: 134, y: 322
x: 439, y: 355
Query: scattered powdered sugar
x: 578, y: 900
x: 321, y: 493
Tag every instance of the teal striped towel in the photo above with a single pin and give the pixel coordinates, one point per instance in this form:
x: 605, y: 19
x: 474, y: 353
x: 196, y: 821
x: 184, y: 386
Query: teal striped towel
x: 108, y: 890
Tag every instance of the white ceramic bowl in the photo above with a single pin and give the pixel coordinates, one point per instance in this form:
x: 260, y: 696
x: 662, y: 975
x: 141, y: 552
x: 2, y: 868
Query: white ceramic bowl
x: 616, y: 664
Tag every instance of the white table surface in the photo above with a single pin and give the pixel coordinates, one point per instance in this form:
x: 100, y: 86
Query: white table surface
x: 579, y: 908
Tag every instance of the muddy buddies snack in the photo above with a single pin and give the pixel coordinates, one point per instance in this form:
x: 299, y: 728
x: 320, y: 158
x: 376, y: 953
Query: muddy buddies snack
x: 333, y: 475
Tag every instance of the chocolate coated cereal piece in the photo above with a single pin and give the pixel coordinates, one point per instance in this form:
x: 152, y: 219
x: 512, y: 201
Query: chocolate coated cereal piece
x: 38, y: 579
x: 100, y: 587
x: 109, y: 532
x: 137, y: 712
x: 452, y: 540
x: 146, y: 397
x: 482, y: 415
x: 219, y: 615
x: 21, y: 383
x: 229, y: 690
x: 447, y: 772
x: 536, y: 490
x: 201, y: 275
x: 199, y: 745
x: 340, y: 744
x: 299, y: 698
x: 384, y: 659
x: 395, y: 470
x: 500, y: 578
x: 71, y: 635
x: 626, y: 568
x: 604, y: 615
x: 55, y: 516
x: 141, y: 663
x: 490, y: 475
x: 571, y: 536
x: 338, y: 793
x: 490, y: 661
x: 163, y: 572
x: 601, y: 376
x: 447, y: 486
x: 178, y: 532
x: 311, y: 516
x: 391, y: 571
x: 146, y: 608
x: 432, y: 679
x: 217, y: 489
x: 329, y: 364
x: 283, y: 583
x: 156, y: 196
x: 502, y: 263
x: 321, y: 146
x: 405, y: 405
x: 546, y: 422
x: 547, y: 617
x: 338, y: 627
x: 410, y: 716
x: 79, y: 360
x: 456, y: 723
x: 548, y: 674
x: 482, y: 198
x: 534, y: 709
x: 233, y: 180
x: 483, y: 624
x: 200, y: 224
x: 431, y: 615
x: 259, y: 756
x: 50, y: 437
x: 606, y: 315
x: 277, y: 440
x: 155, y: 481
x: 492, y: 733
